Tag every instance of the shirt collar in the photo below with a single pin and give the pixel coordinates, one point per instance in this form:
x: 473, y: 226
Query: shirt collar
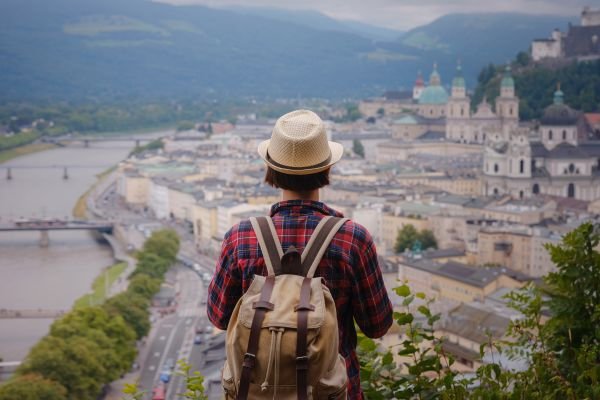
x: 302, y: 207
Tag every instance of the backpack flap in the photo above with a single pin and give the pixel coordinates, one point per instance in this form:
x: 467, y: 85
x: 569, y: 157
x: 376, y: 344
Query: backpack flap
x: 286, y: 294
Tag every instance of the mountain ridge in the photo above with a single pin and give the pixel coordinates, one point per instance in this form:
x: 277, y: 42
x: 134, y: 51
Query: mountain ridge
x: 86, y: 49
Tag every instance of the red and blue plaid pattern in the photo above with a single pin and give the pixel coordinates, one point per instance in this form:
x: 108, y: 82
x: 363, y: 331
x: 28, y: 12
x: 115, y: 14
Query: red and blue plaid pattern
x: 349, y: 268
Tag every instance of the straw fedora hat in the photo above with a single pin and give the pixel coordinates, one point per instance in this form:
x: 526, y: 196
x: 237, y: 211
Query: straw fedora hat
x: 299, y: 145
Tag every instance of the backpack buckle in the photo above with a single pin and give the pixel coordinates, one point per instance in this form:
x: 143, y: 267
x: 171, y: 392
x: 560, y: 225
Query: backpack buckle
x: 302, y: 362
x: 249, y: 360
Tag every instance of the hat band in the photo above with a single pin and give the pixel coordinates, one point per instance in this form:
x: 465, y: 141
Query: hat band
x: 321, y: 164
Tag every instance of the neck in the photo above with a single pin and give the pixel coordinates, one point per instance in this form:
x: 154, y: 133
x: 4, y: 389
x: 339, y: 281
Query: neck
x: 291, y: 195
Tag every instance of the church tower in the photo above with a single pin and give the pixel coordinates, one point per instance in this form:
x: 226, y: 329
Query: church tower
x: 419, y: 86
x: 458, y: 110
x: 507, y: 104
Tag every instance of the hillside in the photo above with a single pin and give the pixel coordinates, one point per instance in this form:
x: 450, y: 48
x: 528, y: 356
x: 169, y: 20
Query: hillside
x: 477, y: 39
x: 535, y: 85
x: 115, y: 50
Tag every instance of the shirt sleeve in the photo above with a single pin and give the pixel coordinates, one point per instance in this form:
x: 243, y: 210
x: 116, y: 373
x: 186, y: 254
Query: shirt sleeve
x: 371, y: 305
x: 225, y: 289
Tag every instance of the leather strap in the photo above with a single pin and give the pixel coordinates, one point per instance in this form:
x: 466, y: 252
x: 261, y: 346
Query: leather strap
x: 269, y: 244
x: 301, y: 338
x: 322, y: 238
x: 261, y: 307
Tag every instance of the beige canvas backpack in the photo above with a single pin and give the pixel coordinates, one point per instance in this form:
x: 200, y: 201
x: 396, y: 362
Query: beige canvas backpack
x: 282, y: 339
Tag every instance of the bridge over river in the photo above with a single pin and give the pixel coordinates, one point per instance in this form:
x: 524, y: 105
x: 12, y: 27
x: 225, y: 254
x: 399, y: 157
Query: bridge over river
x: 44, y: 225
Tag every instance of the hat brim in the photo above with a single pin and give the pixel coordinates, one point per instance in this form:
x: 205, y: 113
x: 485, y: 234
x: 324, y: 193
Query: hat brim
x: 337, y: 151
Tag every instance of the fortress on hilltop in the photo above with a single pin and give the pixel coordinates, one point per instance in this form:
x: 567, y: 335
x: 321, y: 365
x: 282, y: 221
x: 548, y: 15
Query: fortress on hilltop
x: 580, y: 42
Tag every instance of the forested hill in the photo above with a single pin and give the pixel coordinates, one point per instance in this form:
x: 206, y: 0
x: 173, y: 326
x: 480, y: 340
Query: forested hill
x: 107, y: 50
x: 535, y: 85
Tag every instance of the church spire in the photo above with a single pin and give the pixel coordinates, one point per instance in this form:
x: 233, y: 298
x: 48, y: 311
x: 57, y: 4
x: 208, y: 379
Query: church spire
x: 459, y: 79
x: 434, y: 78
x: 558, y: 95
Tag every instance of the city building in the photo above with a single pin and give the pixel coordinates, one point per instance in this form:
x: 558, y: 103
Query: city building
x: 465, y: 127
x: 556, y: 159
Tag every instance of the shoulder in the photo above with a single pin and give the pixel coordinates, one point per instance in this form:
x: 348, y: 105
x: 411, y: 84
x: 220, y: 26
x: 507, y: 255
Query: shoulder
x: 239, y: 232
x: 355, y: 232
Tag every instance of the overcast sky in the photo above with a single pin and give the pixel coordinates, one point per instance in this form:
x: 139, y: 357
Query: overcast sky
x: 406, y: 14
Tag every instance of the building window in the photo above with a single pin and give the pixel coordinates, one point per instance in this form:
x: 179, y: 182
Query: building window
x: 571, y: 168
x: 462, y: 112
x: 495, y: 191
x: 521, y: 194
x: 522, y: 166
x: 550, y: 134
x: 536, y: 188
x: 495, y: 167
x: 564, y: 135
x: 571, y: 190
x: 511, y: 111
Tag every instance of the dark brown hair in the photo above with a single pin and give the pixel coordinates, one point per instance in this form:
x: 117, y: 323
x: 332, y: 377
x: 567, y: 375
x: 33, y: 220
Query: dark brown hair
x: 297, y: 183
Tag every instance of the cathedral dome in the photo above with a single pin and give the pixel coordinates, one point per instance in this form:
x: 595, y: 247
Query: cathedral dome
x: 559, y: 113
x: 434, y: 95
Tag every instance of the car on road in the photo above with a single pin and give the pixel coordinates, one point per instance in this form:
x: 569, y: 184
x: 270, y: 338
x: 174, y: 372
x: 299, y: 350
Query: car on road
x: 169, y: 364
x: 198, y: 339
x: 159, y: 392
x: 165, y: 375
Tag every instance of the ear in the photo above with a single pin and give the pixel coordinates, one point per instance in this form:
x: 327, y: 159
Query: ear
x: 291, y: 262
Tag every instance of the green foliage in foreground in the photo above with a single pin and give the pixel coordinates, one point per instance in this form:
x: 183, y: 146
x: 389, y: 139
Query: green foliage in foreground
x: 92, y: 346
x: 562, y: 355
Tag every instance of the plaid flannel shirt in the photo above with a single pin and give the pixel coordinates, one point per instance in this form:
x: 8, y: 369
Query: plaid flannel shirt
x: 349, y: 267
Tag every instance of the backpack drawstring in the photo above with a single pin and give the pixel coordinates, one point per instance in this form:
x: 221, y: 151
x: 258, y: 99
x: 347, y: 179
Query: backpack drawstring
x: 274, y: 355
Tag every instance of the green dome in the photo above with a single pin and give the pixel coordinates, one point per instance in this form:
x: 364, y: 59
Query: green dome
x: 433, y: 95
x: 459, y: 79
x: 507, y: 80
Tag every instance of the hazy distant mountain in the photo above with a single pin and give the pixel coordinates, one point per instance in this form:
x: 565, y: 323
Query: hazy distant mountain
x: 316, y: 20
x: 477, y: 39
x: 107, y: 49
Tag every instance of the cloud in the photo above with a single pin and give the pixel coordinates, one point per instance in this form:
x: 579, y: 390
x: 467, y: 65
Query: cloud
x: 402, y: 14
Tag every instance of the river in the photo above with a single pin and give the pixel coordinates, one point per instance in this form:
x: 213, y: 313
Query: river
x: 52, y: 277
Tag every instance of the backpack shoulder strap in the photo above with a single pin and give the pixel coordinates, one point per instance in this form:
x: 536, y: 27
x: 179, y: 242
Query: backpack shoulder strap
x: 269, y: 243
x: 318, y: 243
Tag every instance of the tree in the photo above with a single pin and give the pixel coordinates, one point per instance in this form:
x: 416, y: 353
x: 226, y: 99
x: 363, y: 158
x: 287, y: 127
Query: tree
x: 152, y: 265
x: 164, y: 243
x: 144, y: 285
x: 408, y: 236
x: 358, y: 148
x: 32, y: 387
x: 133, y: 308
x: 427, y: 239
x: 185, y: 126
x: 73, y: 362
x: 523, y: 58
x: 381, y: 111
x: 115, y: 338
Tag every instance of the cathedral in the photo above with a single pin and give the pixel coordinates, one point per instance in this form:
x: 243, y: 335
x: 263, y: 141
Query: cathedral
x: 463, y: 126
x: 558, y: 159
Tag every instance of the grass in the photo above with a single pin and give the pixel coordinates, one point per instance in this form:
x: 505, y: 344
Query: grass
x: 97, y: 296
x: 7, y: 155
x: 80, y: 208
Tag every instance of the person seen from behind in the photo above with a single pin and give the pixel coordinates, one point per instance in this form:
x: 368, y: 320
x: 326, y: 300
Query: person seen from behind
x: 299, y: 158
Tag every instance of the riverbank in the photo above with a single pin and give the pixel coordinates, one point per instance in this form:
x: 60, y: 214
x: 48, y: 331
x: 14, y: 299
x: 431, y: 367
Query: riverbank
x: 80, y: 210
x: 7, y: 155
x: 101, y: 286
